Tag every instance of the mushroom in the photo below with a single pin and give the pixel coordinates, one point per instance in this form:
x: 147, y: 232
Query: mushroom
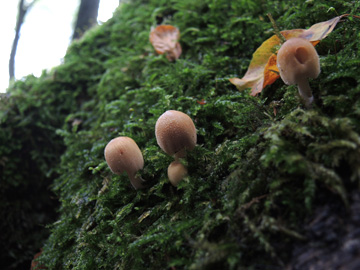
x: 297, y: 61
x: 175, y: 133
x: 123, y: 155
x: 176, y: 172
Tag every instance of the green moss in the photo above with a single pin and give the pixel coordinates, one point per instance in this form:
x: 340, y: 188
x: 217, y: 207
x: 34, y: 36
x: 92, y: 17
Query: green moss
x: 254, y: 177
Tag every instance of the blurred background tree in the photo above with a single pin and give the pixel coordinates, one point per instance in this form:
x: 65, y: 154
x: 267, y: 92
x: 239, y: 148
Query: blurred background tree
x: 86, y: 17
x: 22, y: 10
x: 26, y: 202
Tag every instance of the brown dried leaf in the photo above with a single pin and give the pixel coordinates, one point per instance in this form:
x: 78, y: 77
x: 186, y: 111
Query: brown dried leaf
x: 164, y: 39
x: 321, y: 30
x: 35, y: 265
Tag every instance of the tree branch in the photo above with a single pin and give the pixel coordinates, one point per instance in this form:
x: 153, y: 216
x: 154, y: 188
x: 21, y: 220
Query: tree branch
x: 23, y: 9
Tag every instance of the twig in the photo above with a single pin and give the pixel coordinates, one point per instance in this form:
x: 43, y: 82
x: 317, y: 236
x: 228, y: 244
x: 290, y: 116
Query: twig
x: 253, y: 201
x: 347, y: 15
x: 276, y: 29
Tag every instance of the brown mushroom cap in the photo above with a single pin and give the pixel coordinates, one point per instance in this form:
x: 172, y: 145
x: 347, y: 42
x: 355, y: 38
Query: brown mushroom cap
x: 175, y: 133
x: 176, y: 172
x: 297, y: 59
x: 122, y: 154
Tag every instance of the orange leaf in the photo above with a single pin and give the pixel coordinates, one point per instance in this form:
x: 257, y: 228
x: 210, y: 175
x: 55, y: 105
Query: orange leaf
x: 35, y: 265
x: 201, y: 102
x: 263, y: 70
x: 271, y: 71
x: 164, y: 39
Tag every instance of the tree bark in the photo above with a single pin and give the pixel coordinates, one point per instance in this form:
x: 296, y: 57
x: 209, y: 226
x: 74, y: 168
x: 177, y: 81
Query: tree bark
x: 87, y: 17
x: 21, y: 15
x: 23, y: 9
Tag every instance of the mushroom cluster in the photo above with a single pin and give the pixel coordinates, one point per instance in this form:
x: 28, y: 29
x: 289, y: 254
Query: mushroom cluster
x: 298, y: 61
x: 175, y: 134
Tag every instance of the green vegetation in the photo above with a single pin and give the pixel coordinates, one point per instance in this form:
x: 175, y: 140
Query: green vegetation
x: 254, y: 176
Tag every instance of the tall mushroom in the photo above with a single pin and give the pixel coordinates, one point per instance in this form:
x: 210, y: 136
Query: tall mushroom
x: 122, y: 154
x: 175, y: 134
x: 297, y: 61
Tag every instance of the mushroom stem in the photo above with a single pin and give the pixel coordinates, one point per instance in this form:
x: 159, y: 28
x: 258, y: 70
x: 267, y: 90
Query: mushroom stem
x: 305, y: 92
x: 136, y: 181
x: 180, y: 154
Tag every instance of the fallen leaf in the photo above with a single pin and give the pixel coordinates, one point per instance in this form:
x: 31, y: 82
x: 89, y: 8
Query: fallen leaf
x: 35, y: 265
x: 164, y: 39
x: 201, y: 102
x: 321, y: 30
x: 263, y: 70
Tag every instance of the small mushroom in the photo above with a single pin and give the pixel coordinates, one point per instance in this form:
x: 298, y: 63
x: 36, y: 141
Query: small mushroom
x: 175, y: 133
x: 164, y: 39
x: 176, y: 172
x: 123, y: 155
x: 297, y: 61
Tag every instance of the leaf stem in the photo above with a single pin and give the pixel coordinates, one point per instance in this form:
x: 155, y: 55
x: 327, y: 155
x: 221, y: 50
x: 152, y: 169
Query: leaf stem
x: 276, y: 29
x: 352, y: 15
